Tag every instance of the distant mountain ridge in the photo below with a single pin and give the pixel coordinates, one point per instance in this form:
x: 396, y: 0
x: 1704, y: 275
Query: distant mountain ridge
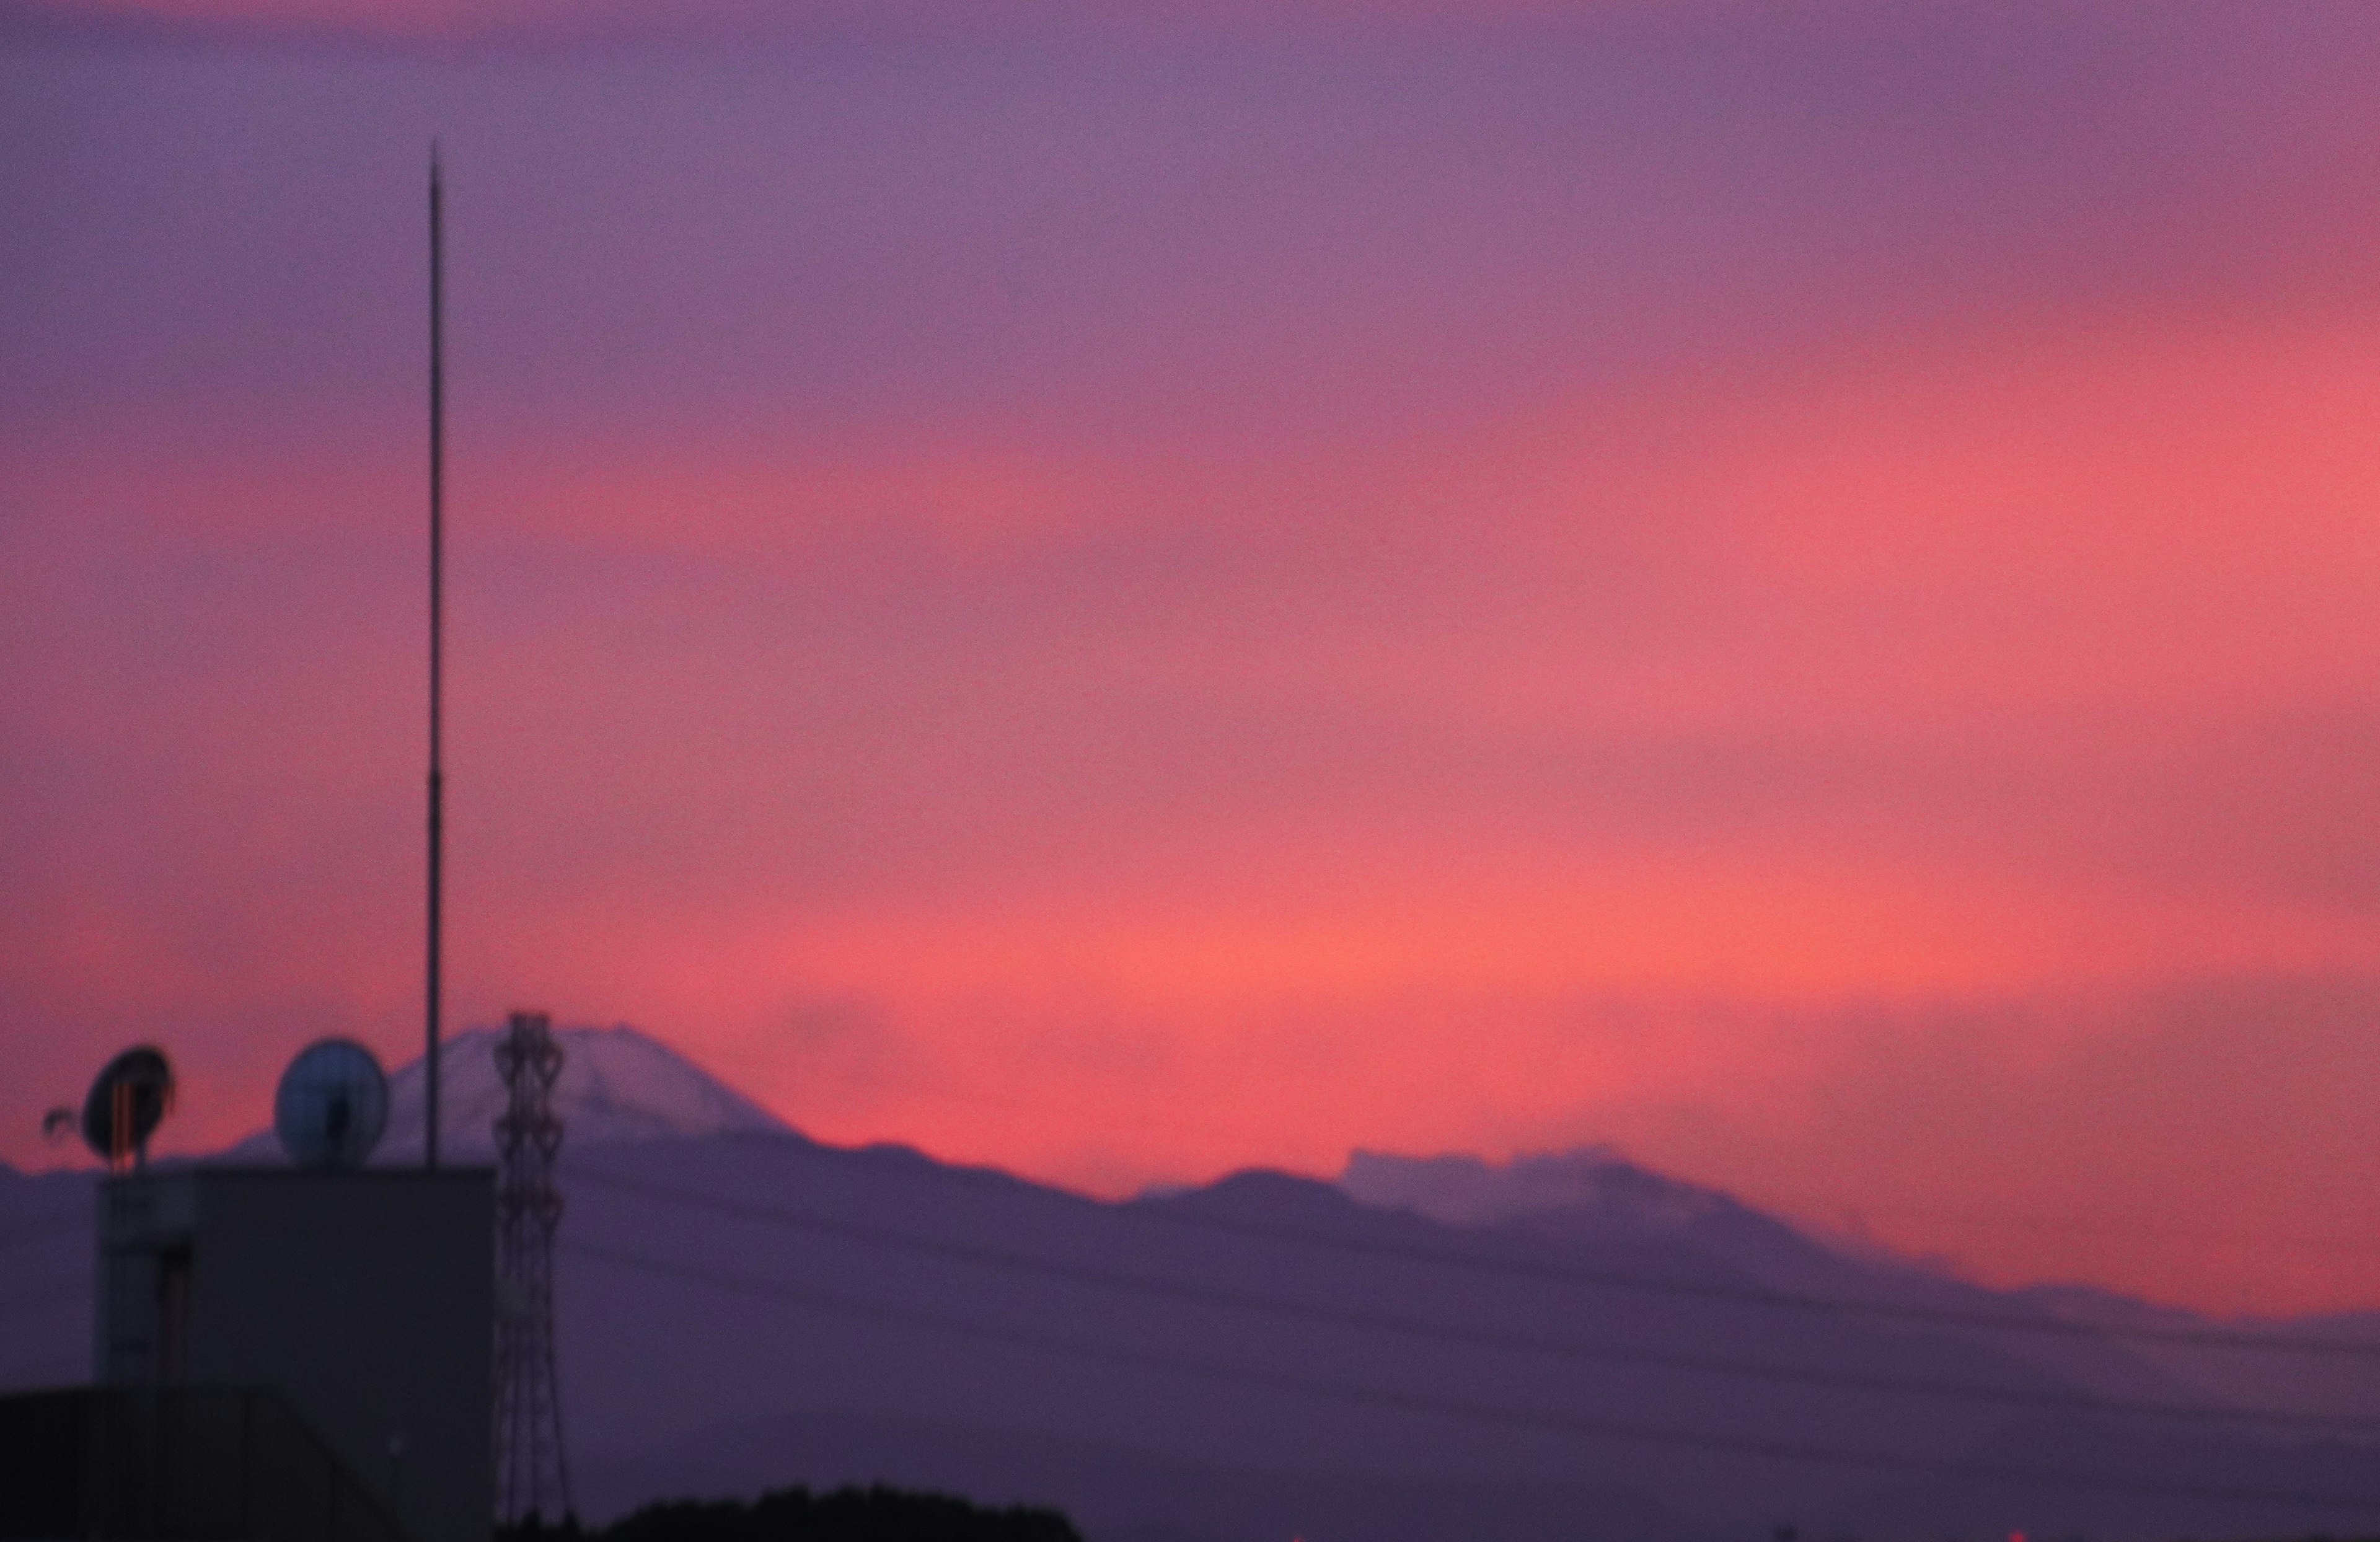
x: 741, y: 1307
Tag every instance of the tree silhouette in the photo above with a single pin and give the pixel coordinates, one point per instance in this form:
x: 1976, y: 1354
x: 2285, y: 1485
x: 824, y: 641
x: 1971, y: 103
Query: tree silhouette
x: 873, y: 1514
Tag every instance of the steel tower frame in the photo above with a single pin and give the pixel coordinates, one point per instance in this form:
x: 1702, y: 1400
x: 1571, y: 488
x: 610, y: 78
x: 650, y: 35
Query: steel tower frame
x: 533, y: 1473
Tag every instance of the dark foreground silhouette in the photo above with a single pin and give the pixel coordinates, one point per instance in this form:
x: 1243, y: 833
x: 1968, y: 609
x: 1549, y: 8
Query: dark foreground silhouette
x: 876, y: 1514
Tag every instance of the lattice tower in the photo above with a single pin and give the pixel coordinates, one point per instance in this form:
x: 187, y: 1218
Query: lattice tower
x: 533, y: 1475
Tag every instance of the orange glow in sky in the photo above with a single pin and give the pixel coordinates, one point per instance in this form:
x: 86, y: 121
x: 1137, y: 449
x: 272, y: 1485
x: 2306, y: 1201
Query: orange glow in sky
x: 1791, y: 595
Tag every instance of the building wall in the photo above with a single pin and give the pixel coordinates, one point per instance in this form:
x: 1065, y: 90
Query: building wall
x: 368, y: 1297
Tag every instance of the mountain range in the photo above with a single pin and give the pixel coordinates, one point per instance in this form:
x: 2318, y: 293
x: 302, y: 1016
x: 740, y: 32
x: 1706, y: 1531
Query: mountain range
x: 1563, y: 1346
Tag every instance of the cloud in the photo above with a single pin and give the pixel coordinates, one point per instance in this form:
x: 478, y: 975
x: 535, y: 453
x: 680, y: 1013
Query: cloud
x: 547, y: 22
x: 1131, y: 601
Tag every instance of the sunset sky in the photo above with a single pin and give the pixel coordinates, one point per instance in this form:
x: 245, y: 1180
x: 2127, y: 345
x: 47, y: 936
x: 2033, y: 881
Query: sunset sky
x: 1132, y: 589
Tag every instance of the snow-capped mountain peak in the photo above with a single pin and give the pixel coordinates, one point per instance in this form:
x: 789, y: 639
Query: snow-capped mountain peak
x: 616, y: 1085
x: 1464, y: 1190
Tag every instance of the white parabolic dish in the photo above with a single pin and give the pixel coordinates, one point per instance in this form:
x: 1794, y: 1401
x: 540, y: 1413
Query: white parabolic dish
x: 332, y: 1105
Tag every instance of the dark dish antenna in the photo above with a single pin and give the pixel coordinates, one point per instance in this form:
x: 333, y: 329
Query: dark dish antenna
x: 126, y: 1103
x: 332, y: 1105
x: 433, y: 985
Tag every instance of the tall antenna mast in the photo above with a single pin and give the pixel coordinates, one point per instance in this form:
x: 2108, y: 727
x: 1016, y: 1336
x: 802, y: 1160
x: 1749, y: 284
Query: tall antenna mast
x: 437, y: 683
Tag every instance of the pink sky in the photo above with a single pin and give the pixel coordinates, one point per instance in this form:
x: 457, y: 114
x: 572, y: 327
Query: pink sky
x: 1792, y: 595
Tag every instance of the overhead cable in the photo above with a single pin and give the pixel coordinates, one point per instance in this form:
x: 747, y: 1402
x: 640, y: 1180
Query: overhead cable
x: 53, y: 1224
x: 1526, y: 1343
x: 1468, y: 1410
x: 1173, y: 1213
x: 46, y: 1295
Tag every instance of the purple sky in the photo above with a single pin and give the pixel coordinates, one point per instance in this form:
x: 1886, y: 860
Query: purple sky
x: 1130, y: 590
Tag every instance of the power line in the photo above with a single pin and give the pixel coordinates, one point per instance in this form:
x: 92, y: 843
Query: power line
x: 1004, y: 1259
x: 31, y: 1230
x: 1740, y: 1295
x: 44, y: 1295
x: 1467, y: 1409
x: 2082, y: 1224
x: 20, y: 1370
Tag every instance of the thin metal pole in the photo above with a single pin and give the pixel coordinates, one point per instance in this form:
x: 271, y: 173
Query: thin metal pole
x: 437, y: 683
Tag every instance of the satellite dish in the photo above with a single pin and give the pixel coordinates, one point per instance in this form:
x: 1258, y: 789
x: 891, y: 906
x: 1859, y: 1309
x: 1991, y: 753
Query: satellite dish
x: 331, y: 1104
x: 126, y: 1103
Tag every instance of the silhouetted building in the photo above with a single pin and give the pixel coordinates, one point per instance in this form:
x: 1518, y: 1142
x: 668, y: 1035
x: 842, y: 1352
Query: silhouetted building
x: 189, y: 1463
x: 365, y: 1298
